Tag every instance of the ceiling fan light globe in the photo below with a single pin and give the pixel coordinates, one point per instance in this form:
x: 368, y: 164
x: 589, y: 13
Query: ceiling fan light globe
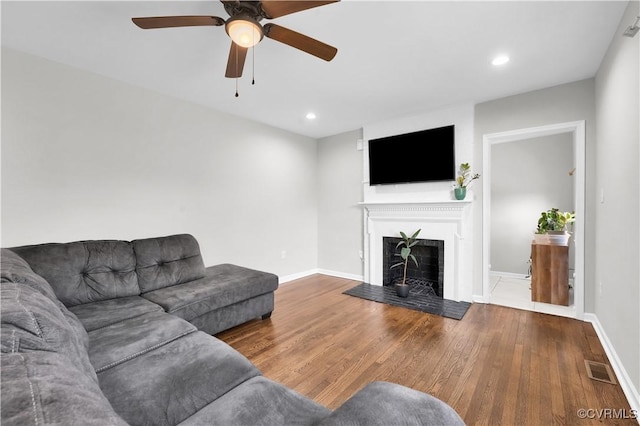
x: 244, y: 31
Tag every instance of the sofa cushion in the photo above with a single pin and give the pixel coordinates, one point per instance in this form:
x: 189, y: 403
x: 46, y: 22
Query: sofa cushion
x: 33, y: 322
x: 44, y: 387
x: 214, y: 322
x: 172, y: 382
x: 76, y: 326
x: 223, y: 285
x: 14, y: 269
x: 124, y: 340
x: 166, y: 261
x: 106, y: 312
x: 383, y: 404
x: 260, y: 401
x: 85, y: 271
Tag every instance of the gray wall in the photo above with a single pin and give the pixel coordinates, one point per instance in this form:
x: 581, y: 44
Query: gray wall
x: 87, y: 157
x: 339, y: 215
x: 617, y: 248
x: 559, y: 104
x: 527, y: 177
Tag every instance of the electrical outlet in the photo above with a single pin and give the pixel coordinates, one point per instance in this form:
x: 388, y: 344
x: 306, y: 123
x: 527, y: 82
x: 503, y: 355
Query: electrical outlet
x: 361, y: 254
x: 600, y: 288
x: 283, y: 254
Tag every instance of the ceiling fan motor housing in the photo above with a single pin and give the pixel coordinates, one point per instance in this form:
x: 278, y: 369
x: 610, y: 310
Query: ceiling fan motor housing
x: 251, y: 9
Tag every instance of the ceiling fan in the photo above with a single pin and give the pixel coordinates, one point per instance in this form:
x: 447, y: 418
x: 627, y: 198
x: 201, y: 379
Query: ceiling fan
x: 245, y: 30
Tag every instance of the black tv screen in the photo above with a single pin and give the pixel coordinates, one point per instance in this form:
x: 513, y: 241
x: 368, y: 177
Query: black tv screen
x: 423, y: 156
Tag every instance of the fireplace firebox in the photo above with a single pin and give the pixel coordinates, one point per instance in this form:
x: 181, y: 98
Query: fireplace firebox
x: 428, y: 277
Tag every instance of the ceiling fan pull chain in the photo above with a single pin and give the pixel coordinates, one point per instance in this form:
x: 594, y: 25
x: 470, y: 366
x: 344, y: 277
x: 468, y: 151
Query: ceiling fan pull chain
x: 236, y: 49
x: 253, y: 65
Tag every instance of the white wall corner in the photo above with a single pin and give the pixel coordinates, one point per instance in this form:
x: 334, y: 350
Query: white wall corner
x: 292, y: 277
x: 287, y: 278
x: 479, y: 298
x: 630, y: 391
x: 344, y: 275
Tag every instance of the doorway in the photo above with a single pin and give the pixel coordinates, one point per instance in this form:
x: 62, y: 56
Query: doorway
x: 505, y: 257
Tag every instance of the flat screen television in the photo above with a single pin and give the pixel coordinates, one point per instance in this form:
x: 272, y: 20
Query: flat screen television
x: 422, y: 156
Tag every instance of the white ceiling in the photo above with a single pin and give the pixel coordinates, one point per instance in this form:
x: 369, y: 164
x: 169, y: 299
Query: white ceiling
x: 394, y: 58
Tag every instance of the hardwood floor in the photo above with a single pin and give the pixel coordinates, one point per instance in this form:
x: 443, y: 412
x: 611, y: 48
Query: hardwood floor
x: 496, y: 366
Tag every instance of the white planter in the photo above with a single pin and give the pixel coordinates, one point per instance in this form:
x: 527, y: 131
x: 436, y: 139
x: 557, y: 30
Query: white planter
x: 554, y: 239
x: 541, y: 238
x: 559, y: 239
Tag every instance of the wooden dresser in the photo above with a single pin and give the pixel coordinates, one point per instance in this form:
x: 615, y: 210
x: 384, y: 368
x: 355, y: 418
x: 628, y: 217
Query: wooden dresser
x: 550, y: 274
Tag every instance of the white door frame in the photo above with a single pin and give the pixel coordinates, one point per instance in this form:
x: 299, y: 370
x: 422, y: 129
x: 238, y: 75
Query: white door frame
x: 577, y: 131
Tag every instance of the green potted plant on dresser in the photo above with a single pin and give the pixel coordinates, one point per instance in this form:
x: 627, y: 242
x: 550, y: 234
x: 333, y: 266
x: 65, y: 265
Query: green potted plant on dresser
x: 552, y: 227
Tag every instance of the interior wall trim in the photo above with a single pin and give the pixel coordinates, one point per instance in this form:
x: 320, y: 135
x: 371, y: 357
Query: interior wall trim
x: 577, y: 130
x: 630, y: 391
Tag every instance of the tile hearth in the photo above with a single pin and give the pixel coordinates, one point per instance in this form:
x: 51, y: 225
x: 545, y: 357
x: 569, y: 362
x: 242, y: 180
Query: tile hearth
x: 417, y: 300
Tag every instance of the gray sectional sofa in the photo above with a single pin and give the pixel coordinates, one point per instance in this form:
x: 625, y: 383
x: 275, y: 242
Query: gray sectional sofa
x: 119, y: 332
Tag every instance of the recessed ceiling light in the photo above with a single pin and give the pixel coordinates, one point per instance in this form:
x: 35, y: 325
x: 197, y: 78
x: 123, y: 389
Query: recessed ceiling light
x: 310, y: 116
x: 500, y: 60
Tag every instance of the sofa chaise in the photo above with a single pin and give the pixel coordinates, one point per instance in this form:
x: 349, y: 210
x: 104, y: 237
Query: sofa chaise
x: 112, y: 332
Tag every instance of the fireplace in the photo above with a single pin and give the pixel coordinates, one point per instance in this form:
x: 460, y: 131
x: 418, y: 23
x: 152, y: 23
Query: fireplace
x: 427, y: 277
x: 445, y: 221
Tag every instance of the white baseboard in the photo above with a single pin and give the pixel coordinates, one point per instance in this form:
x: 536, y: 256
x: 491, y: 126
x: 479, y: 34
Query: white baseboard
x: 630, y: 391
x: 287, y: 278
x: 509, y: 275
x: 341, y: 275
x: 478, y: 298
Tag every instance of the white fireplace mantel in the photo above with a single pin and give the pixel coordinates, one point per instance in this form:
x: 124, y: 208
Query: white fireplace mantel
x: 417, y: 205
x: 446, y: 220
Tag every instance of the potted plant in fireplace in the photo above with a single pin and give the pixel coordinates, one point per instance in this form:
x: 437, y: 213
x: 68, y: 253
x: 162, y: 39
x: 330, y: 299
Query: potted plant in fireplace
x: 405, y: 244
x: 464, y: 179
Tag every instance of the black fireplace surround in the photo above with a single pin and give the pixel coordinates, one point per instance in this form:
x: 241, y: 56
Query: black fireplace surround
x: 429, y: 275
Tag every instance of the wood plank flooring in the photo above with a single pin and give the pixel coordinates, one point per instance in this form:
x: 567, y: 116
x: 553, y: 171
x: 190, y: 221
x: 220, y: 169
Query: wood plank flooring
x: 497, y: 366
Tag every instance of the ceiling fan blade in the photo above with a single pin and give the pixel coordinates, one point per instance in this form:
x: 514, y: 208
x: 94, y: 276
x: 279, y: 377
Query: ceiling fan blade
x: 278, y: 8
x: 177, y: 21
x: 300, y: 41
x: 235, y: 64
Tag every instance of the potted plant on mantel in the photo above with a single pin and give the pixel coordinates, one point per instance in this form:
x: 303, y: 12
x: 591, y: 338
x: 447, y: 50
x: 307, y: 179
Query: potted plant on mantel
x: 405, y: 244
x: 552, y: 227
x: 463, y: 180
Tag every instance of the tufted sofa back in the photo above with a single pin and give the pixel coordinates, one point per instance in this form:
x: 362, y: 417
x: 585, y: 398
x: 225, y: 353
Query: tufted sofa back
x: 167, y: 261
x: 90, y: 271
x: 85, y: 271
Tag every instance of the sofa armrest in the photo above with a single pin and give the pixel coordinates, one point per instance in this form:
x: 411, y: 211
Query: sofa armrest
x: 383, y: 403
